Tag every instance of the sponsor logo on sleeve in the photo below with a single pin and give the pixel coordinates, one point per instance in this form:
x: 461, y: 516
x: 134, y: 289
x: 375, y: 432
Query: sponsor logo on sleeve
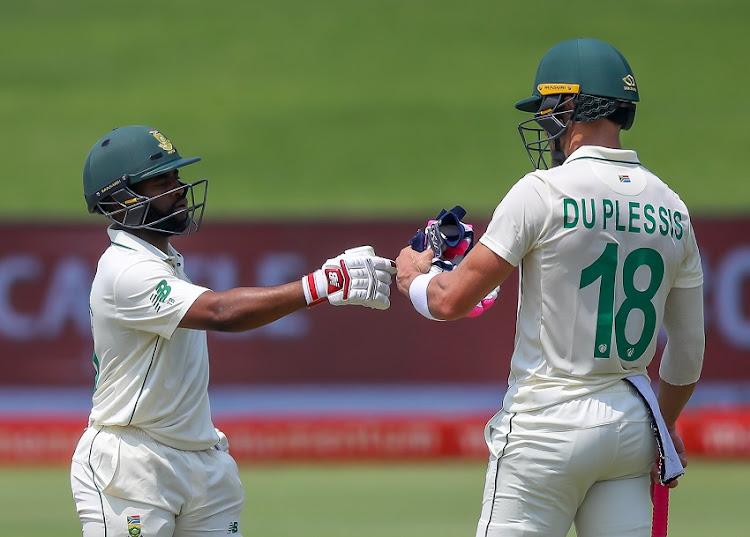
x: 160, y: 295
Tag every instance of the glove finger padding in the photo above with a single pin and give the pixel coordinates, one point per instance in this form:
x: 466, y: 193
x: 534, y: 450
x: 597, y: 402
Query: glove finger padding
x: 383, y: 267
x: 382, y: 264
x: 384, y: 276
x: 356, y: 277
x: 438, y: 265
x: 370, y: 285
x: 450, y: 240
x: 365, y: 293
x: 456, y: 253
x: 360, y: 251
x: 448, y: 237
x: 485, y: 304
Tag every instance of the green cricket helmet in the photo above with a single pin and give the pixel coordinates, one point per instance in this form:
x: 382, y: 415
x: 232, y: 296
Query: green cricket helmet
x: 578, y: 80
x: 126, y: 156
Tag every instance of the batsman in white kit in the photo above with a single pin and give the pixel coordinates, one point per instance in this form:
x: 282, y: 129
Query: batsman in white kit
x: 607, y: 255
x: 151, y: 461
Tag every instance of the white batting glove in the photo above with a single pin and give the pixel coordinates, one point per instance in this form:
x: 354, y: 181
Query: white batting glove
x: 356, y: 277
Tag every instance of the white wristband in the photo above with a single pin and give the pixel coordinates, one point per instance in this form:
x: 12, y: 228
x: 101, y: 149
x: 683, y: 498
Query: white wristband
x: 418, y: 294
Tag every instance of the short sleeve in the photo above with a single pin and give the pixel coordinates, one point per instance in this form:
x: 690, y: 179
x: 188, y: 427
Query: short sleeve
x: 151, y: 298
x: 519, y: 220
x: 690, y: 272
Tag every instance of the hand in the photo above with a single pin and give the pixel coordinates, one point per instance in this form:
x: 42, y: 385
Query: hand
x: 411, y: 264
x: 679, y: 446
x: 356, y: 277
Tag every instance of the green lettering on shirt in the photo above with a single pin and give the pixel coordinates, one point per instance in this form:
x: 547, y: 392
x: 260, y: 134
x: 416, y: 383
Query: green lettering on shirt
x: 567, y: 221
x: 633, y: 215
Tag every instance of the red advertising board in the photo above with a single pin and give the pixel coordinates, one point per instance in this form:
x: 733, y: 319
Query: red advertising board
x: 713, y: 432
x: 721, y: 432
x: 46, y: 271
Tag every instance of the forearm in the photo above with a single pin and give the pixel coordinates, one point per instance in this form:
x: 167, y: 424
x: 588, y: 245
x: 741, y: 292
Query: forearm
x: 452, y: 295
x: 672, y: 400
x: 244, y: 308
x: 436, y: 297
x: 356, y: 277
x: 682, y: 360
x: 445, y: 303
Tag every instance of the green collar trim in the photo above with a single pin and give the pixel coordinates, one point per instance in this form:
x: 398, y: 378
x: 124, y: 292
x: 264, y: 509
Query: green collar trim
x: 122, y: 246
x: 605, y: 160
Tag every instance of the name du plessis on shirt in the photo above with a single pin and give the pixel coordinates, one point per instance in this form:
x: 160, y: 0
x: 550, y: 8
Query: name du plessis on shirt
x: 631, y: 217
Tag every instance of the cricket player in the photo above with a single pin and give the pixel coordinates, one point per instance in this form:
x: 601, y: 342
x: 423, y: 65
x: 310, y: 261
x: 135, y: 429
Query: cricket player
x: 607, y: 256
x: 151, y: 462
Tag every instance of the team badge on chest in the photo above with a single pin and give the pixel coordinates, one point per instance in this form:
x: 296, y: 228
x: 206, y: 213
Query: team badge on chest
x: 134, y: 525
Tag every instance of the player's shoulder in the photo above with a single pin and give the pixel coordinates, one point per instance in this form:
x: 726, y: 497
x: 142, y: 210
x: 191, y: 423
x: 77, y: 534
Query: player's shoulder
x: 535, y: 180
x: 119, y: 260
x: 668, y: 194
x: 543, y: 179
x: 122, y: 255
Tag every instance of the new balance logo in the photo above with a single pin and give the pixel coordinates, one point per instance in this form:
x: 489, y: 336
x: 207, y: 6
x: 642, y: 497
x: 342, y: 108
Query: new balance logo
x: 160, y: 294
x: 234, y: 527
x: 335, y: 280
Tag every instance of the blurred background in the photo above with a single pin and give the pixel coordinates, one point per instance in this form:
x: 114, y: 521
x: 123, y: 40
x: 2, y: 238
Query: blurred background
x: 324, y: 125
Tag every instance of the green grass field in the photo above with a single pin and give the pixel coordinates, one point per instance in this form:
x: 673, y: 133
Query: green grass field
x: 355, y: 108
x: 385, y: 500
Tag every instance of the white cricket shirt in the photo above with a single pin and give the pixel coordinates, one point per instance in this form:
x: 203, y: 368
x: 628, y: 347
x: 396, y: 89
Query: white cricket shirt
x: 151, y: 374
x: 600, y: 241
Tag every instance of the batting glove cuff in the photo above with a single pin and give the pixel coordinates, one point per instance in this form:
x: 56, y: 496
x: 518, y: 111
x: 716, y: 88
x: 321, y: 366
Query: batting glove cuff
x: 315, y: 285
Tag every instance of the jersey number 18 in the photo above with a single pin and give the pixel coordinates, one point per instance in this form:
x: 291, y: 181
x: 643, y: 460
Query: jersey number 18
x: 605, y: 268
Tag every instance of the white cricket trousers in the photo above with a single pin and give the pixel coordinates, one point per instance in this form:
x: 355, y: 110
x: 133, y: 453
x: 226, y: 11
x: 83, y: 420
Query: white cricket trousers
x: 126, y: 483
x: 585, y: 461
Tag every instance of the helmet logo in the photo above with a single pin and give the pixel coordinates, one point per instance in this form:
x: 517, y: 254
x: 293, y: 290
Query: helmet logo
x: 550, y: 89
x: 629, y: 83
x: 164, y: 142
x: 116, y: 183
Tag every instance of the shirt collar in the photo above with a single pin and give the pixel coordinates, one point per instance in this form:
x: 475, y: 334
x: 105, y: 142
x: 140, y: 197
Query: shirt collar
x: 123, y: 239
x: 595, y: 152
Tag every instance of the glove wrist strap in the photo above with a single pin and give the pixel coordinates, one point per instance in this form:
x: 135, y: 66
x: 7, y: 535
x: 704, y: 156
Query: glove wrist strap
x: 314, y: 294
x: 418, y: 294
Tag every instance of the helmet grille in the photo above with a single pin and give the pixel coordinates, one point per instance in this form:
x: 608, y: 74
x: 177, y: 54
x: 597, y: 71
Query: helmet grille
x: 591, y: 108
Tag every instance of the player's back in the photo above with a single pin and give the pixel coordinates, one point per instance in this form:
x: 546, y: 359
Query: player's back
x: 594, y: 285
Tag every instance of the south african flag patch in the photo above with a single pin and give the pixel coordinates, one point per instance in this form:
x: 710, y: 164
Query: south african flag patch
x: 134, y: 525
